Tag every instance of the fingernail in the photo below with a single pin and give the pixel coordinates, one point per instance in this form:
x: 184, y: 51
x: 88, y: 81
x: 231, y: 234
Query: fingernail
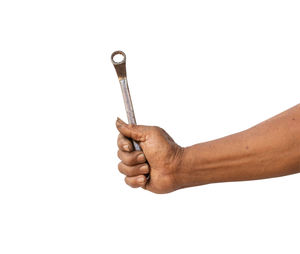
x: 141, y: 179
x: 144, y: 169
x: 126, y: 148
x: 141, y: 157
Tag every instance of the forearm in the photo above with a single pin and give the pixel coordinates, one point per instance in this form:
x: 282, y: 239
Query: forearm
x: 269, y: 149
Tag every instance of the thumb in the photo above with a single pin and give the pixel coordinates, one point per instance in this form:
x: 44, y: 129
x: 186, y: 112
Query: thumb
x: 136, y: 132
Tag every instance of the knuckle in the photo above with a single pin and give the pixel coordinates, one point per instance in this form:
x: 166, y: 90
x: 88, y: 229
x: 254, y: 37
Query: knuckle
x: 120, y: 144
x: 119, y: 154
x: 125, y: 157
x: 120, y: 167
x: 120, y: 136
x: 128, y: 182
x: 122, y: 155
x: 126, y: 170
x: 119, y: 139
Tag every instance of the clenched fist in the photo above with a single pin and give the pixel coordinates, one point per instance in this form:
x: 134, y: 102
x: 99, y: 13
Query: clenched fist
x: 155, y: 167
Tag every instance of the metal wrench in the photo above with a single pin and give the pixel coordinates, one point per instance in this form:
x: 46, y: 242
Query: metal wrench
x: 121, y: 72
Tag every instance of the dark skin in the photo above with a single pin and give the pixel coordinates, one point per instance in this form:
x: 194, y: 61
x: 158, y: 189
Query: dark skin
x: 269, y: 149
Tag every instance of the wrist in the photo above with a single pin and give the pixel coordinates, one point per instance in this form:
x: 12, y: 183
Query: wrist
x: 191, y: 170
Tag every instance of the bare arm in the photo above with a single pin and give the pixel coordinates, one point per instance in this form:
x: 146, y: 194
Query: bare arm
x: 269, y: 149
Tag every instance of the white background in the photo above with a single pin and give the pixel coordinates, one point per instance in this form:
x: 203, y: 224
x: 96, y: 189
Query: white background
x: 199, y: 69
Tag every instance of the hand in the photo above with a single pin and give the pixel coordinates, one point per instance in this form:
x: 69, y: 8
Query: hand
x: 160, y: 157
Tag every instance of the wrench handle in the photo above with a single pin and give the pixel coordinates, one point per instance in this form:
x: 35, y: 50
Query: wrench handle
x: 129, y: 107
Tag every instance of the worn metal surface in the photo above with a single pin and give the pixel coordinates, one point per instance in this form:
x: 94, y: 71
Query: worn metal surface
x: 121, y: 72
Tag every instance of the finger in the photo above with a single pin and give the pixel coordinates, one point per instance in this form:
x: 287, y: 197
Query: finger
x: 124, y: 143
x: 136, y: 181
x: 136, y: 132
x: 133, y: 158
x: 136, y: 170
